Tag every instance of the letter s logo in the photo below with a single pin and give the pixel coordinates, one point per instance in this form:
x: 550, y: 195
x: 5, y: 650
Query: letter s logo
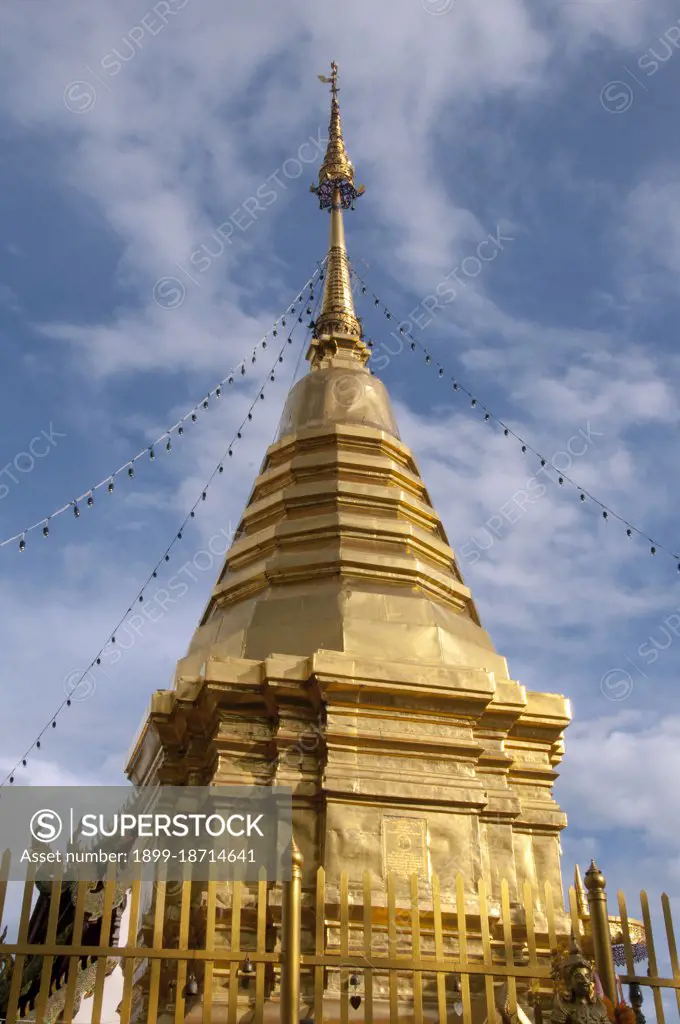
x: 45, y: 826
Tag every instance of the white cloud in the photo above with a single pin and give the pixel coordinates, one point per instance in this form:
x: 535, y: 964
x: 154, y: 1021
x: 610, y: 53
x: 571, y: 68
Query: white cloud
x: 650, y: 231
x: 635, y: 756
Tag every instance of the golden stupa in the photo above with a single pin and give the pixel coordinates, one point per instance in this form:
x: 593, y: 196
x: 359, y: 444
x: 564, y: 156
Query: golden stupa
x: 341, y: 617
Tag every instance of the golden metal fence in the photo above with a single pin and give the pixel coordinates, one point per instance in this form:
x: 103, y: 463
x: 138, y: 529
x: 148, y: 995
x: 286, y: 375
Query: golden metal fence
x: 653, y: 978
x: 424, y: 945
x: 341, y: 952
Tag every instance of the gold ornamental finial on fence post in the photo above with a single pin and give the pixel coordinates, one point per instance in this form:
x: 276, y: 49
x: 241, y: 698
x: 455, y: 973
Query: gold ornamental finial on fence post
x: 290, y: 942
x: 599, y: 918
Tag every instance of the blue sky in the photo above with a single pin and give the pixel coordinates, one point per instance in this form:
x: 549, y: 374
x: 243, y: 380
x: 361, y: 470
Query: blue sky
x: 548, y: 123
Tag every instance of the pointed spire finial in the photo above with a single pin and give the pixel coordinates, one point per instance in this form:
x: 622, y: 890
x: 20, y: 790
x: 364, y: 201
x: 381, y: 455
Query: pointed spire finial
x: 337, y: 333
x: 581, y: 898
x: 336, y: 172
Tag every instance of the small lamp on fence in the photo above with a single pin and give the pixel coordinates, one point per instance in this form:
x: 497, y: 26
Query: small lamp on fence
x: 534, y: 1000
x: 457, y: 1000
x: 247, y: 972
x: 191, y: 987
x: 635, y: 994
x: 355, y: 998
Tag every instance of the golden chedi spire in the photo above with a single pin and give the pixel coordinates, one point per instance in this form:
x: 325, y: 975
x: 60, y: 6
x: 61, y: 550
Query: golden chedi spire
x: 337, y: 334
x: 340, y: 602
x: 340, y: 547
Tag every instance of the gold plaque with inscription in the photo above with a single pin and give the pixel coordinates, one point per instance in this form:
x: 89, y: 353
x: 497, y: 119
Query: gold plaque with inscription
x: 405, y: 847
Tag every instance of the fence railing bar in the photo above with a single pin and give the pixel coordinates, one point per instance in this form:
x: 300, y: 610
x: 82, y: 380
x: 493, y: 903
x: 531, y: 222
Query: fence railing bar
x: 104, y: 939
x: 463, y: 948
x: 625, y: 932
x: 653, y: 983
x: 573, y: 912
x: 368, y: 938
x: 260, y: 945
x: 344, y: 946
x: 129, y: 963
x: 210, y: 916
x: 235, y: 948
x: 392, y: 946
x: 155, y: 978
x: 415, y: 951
x: 183, y: 944
x: 48, y: 961
x: 4, y: 876
x: 670, y: 939
x: 82, y: 888
x: 439, y: 949
x: 24, y: 922
x: 486, y: 949
x: 507, y: 938
x: 319, y: 942
x: 219, y: 954
x: 651, y: 957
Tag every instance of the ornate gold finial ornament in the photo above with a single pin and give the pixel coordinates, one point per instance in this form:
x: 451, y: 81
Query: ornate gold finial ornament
x: 576, y: 1001
x: 337, y: 332
x: 336, y: 172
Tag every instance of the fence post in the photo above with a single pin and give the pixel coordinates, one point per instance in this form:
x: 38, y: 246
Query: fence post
x: 290, y: 943
x: 599, y: 920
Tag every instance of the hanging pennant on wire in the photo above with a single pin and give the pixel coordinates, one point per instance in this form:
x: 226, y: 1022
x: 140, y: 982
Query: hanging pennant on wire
x: 76, y: 680
x: 149, y: 451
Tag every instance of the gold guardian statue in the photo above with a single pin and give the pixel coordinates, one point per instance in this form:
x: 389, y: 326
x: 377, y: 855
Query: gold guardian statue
x: 576, y: 1001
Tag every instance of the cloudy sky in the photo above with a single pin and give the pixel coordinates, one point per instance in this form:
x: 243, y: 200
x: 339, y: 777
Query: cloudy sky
x: 131, y: 132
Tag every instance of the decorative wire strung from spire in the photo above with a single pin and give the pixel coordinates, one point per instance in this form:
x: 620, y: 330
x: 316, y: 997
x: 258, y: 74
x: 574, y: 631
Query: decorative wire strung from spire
x: 490, y: 417
x: 74, y: 683
x: 338, y: 333
x: 150, y: 451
